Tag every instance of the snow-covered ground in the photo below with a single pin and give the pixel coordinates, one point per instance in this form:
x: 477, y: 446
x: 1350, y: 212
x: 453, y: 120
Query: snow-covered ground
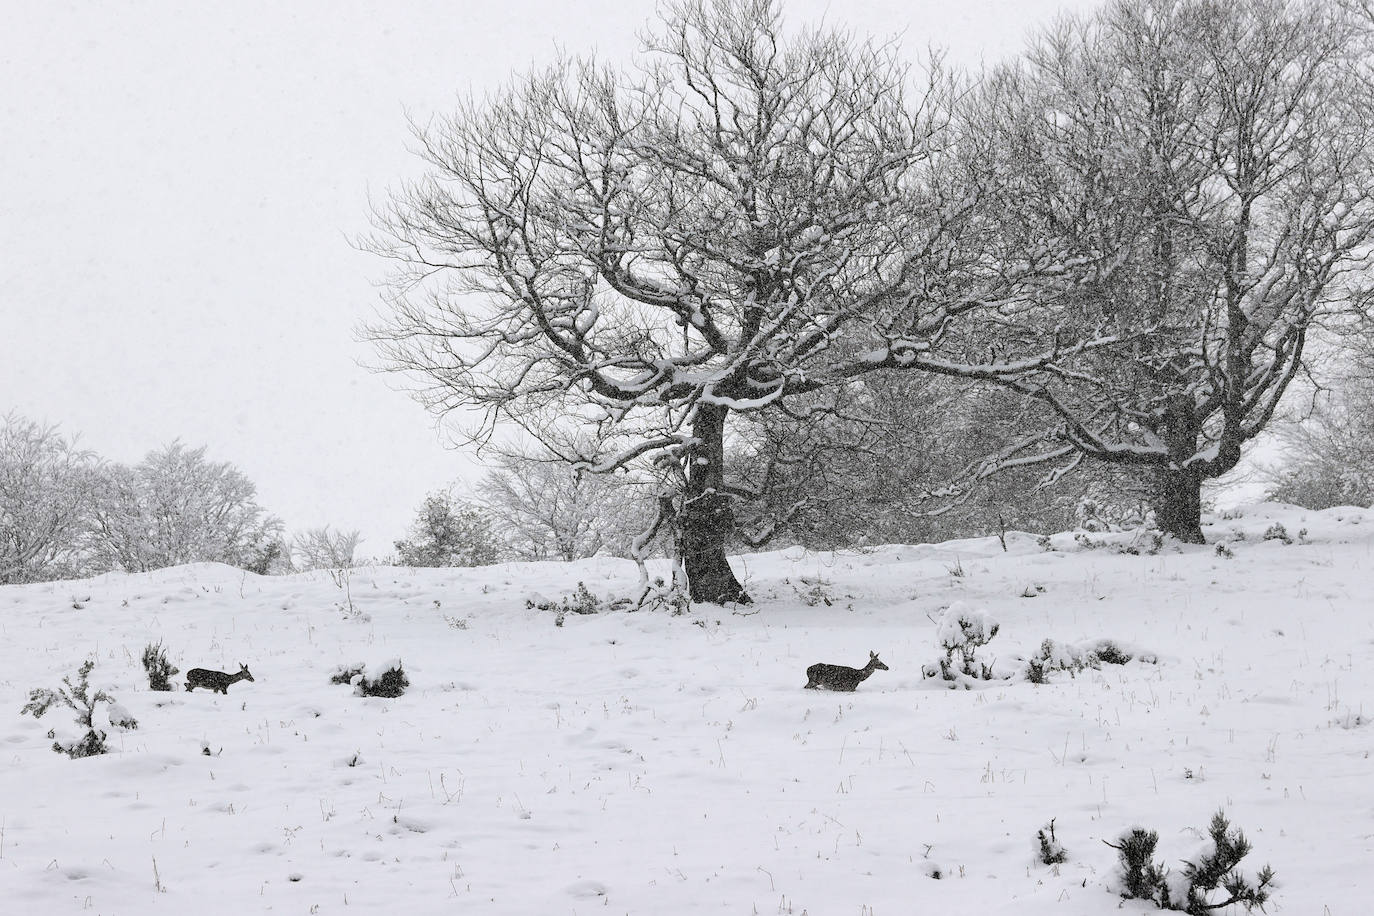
x: 650, y: 764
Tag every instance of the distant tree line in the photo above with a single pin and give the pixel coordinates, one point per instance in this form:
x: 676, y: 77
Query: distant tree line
x: 65, y: 513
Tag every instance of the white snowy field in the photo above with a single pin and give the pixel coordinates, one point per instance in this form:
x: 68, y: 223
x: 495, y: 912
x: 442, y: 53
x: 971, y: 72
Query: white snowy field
x: 650, y: 764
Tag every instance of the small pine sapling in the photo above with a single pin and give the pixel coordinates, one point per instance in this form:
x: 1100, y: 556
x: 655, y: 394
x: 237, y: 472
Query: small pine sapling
x: 80, y: 698
x: 1192, y: 890
x: 1141, y: 875
x: 159, y: 669
x: 1218, y: 869
x: 1051, y: 851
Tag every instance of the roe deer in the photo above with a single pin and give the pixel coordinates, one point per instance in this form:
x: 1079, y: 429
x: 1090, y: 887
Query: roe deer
x: 838, y: 677
x: 216, y: 680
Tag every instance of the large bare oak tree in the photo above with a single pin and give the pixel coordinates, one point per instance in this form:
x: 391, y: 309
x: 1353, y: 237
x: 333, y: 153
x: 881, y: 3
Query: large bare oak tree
x: 744, y: 217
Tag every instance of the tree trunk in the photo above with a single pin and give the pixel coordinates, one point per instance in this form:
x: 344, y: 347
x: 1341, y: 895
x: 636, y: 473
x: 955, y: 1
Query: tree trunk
x: 707, y: 519
x: 1178, y: 505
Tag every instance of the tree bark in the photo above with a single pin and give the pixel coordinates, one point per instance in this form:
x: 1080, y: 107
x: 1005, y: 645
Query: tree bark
x: 1178, y: 505
x: 707, y: 518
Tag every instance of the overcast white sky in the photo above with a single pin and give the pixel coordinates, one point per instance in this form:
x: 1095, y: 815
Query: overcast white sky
x: 179, y: 184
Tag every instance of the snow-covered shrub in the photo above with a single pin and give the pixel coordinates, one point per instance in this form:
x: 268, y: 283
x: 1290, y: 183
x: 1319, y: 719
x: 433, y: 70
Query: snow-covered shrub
x: 1049, y: 850
x: 158, y: 668
x: 120, y: 717
x: 1087, y: 543
x: 1054, y: 656
x: 1194, y: 888
x: 961, y: 632
x: 82, y: 700
x: 1108, y: 652
x: 1149, y: 543
x: 1276, y: 532
x: 344, y: 674
x: 1057, y: 656
x: 581, y: 601
x: 391, y: 683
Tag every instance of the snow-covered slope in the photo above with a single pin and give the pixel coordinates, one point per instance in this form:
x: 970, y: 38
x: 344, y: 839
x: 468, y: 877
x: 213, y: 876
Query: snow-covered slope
x: 650, y: 764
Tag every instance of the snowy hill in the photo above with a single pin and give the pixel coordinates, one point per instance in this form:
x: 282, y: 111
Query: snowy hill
x: 650, y: 764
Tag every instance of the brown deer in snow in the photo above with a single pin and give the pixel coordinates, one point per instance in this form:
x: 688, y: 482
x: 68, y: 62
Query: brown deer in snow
x: 216, y: 680
x: 838, y: 677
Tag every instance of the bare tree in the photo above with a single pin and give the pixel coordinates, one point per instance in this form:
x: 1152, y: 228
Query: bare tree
x: 1210, y: 163
x: 176, y: 507
x: 322, y: 548
x: 546, y: 509
x: 746, y: 218
x: 46, y: 484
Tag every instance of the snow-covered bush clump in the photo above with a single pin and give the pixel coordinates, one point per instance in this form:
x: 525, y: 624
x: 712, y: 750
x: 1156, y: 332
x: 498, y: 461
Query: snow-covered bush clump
x: 959, y: 635
x: 1074, y: 657
x: 391, y: 683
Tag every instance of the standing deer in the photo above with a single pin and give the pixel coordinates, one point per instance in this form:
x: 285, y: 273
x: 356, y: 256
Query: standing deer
x: 216, y: 680
x: 838, y: 677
